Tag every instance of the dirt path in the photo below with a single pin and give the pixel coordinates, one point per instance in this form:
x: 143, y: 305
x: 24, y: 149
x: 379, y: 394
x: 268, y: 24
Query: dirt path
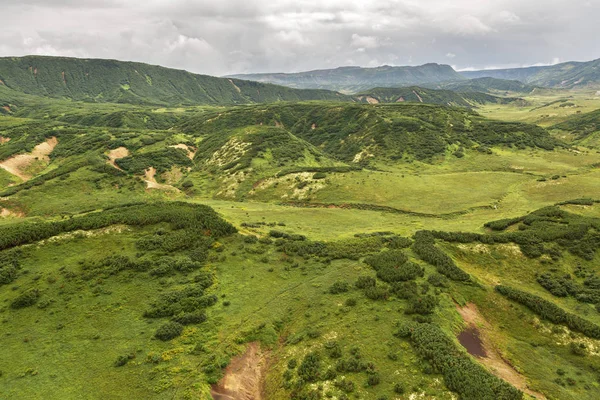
x: 190, y: 150
x: 493, y: 359
x: 18, y: 164
x: 152, y: 184
x: 115, y: 154
x: 244, y: 377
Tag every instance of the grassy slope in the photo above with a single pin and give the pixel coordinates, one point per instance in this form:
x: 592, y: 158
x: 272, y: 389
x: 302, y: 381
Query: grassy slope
x: 271, y: 300
x: 564, y: 75
x: 431, y: 96
x: 96, y: 80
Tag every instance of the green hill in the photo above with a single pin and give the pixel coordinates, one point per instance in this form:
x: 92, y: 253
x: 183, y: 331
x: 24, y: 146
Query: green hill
x: 96, y: 80
x: 356, y: 79
x: 585, y: 128
x: 430, y: 96
x: 351, y: 133
x: 488, y: 85
x: 565, y: 75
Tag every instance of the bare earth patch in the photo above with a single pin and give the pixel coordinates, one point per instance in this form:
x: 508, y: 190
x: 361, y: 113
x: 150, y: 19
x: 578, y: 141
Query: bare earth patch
x: 244, y: 376
x: 493, y: 360
x: 152, y: 184
x: 18, y: 164
x: 190, y: 150
x: 115, y: 154
x: 6, y: 213
x: 4, y: 139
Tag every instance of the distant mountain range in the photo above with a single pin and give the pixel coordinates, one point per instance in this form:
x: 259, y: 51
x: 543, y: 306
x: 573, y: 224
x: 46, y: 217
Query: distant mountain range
x: 565, y: 75
x: 97, y: 80
x: 355, y: 79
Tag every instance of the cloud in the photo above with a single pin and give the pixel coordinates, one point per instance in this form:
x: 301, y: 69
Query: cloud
x: 450, y: 55
x: 231, y: 36
x: 364, y: 42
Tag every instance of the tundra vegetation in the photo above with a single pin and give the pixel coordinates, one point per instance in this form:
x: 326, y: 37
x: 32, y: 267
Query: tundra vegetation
x: 164, y: 236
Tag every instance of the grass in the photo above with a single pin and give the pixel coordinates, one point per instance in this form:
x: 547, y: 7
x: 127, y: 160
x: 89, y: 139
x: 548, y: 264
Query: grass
x: 281, y: 300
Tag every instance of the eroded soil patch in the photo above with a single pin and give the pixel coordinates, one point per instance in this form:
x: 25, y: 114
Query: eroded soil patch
x: 244, y: 376
x: 151, y: 182
x: 491, y: 357
x: 115, y: 154
x: 19, y: 164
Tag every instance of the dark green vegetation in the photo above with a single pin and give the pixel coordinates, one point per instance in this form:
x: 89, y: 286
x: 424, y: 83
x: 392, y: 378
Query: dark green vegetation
x: 488, y: 85
x: 95, y: 80
x: 584, y: 127
x: 564, y: 75
x: 356, y: 79
x: 464, y: 98
x: 337, y: 247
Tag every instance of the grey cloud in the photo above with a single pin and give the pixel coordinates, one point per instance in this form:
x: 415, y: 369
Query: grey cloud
x: 231, y: 36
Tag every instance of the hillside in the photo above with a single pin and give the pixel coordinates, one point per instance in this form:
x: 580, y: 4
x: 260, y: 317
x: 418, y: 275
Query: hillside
x: 96, y: 80
x: 585, y: 128
x: 488, y: 85
x: 356, y: 79
x: 564, y: 75
x: 430, y: 96
x: 297, y: 250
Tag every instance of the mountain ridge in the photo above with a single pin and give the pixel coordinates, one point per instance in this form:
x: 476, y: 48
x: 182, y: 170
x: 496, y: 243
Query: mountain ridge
x: 102, y: 80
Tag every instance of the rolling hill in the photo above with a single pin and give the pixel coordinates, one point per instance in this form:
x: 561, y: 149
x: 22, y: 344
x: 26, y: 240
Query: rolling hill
x: 356, y: 79
x: 564, y: 75
x: 97, y: 80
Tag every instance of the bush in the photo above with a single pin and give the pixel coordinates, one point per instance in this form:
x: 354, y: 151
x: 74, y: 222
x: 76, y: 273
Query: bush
x: 168, y: 331
x: 350, y: 302
x: 26, y: 299
x: 320, y: 175
x: 550, y: 311
x: 310, y: 368
x: 190, y: 318
x: 339, y: 287
x: 364, y: 282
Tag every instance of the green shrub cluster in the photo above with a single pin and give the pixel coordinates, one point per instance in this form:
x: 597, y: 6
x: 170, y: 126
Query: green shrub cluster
x: 169, y: 330
x: 550, y: 311
x: 162, y: 160
x: 424, y: 247
x: 191, y: 299
x: 461, y: 373
x: 393, y: 266
x: 25, y: 299
x: 180, y: 215
x: 9, y: 265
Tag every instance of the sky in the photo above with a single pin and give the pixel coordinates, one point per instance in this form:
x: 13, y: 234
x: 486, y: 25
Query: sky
x: 245, y: 36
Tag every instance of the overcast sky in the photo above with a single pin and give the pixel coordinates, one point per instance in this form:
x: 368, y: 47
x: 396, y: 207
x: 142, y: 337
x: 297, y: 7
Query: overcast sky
x: 235, y: 36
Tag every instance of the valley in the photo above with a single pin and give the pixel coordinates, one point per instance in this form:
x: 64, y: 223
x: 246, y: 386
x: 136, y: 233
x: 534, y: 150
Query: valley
x: 169, y: 242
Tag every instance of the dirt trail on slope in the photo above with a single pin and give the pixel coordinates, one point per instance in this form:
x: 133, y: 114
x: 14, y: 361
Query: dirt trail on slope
x: 115, y: 154
x: 492, y: 359
x: 18, y: 164
x: 151, y: 183
x: 244, y: 376
x: 190, y: 150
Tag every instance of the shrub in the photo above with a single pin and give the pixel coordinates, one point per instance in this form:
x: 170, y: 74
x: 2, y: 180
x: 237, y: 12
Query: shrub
x: 364, y: 282
x: 320, y: 175
x: 339, y: 287
x: 190, y: 318
x: 25, y: 299
x: 310, y: 368
x: 168, y: 331
x: 350, y: 302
